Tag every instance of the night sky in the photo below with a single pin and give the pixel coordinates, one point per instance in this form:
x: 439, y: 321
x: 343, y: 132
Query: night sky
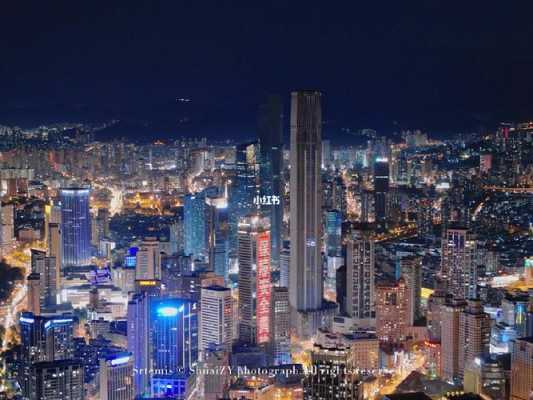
x: 442, y: 66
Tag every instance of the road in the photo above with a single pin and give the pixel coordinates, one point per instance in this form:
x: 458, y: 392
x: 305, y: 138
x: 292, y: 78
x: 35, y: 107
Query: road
x: 17, y: 300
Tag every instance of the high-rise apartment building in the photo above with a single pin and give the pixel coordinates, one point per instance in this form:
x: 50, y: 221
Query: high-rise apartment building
x: 450, y: 342
x: 411, y: 271
x: 474, y: 335
x: 522, y: 369
x: 392, y: 311
x: 360, y: 286
x: 458, y: 267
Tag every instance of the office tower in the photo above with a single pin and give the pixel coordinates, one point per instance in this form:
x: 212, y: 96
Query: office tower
x: 148, y: 262
x: 360, y: 298
x: 450, y: 342
x: 173, y: 345
x: 52, y: 380
x: 391, y: 311
x: 116, y: 373
x: 34, y: 293
x: 216, y: 318
x: 331, y: 379
x: 366, y: 206
x: 138, y: 341
x: 196, y: 226
x: 334, y: 233
x: 458, y: 263
x: 43, y: 339
x: 245, y: 187
x: 381, y: 190
x: 54, y: 249
x: 284, y: 264
x: 220, y: 242
x: 280, y: 340
x: 270, y: 134
x: 474, y: 335
x: 254, y: 279
x: 75, y: 227
x: 305, y: 275
x: 522, y: 369
x: 411, y: 271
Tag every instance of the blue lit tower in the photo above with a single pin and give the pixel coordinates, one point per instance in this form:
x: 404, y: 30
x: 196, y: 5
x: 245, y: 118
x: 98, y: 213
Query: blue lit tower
x: 174, y: 345
x: 270, y: 133
x: 75, y: 226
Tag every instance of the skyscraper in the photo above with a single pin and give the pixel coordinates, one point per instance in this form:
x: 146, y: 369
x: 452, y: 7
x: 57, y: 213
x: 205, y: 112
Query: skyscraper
x: 245, y: 187
x: 270, y: 134
x: 333, y: 379
x: 280, y: 340
x: 57, y: 380
x: 458, y: 267
x: 391, y: 311
x: 360, y: 287
x: 216, y: 318
x: 116, y: 372
x: 450, y: 342
x: 474, y: 335
x: 173, y: 345
x: 42, y: 339
x: 75, y: 227
x: 305, y: 279
x: 148, y: 263
x: 411, y: 271
x: 196, y: 226
x: 254, y: 280
x: 381, y: 190
x: 54, y: 250
x: 334, y: 233
x: 522, y: 369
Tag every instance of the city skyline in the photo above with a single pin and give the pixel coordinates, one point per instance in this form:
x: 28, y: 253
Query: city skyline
x: 279, y: 201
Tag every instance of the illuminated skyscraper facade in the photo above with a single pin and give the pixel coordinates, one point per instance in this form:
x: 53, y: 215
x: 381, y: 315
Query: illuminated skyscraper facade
x: 254, y: 280
x: 76, y: 227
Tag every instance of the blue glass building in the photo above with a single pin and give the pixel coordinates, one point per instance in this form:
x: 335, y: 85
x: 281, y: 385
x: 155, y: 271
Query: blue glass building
x: 196, y: 228
x: 334, y: 233
x: 174, y: 345
x: 270, y: 134
x: 76, y: 227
